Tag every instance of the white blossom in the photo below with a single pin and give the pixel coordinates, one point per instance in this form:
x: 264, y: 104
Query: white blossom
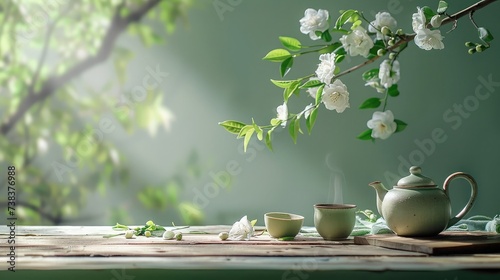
x: 282, y: 111
x: 418, y: 20
x: 375, y: 83
x: 382, y: 19
x: 314, y: 21
x: 42, y: 145
x: 436, y: 21
x: 312, y: 91
x: 241, y: 230
x: 389, y: 74
x: 429, y: 39
x: 335, y: 96
x: 382, y: 124
x: 326, y: 67
x: 357, y: 42
x: 308, y: 110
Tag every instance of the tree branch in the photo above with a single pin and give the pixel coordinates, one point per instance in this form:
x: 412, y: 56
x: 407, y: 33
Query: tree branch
x: 52, y: 84
x: 409, y: 37
x: 55, y: 220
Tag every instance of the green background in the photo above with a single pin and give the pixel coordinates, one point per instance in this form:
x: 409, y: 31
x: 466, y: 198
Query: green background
x: 216, y: 73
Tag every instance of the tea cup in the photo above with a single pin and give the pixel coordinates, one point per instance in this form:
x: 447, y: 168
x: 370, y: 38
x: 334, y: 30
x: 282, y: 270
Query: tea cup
x: 334, y: 221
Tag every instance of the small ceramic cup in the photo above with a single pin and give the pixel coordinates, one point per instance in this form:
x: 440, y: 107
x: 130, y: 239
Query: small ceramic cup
x: 334, y: 221
x: 280, y: 224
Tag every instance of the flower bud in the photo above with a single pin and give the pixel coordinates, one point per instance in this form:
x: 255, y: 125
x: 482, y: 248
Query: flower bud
x: 178, y: 236
x: 480, y: 48
x: 129, y: 234
x: 147, y: 233
x: 168, y: 234
x: 391, y: 42
x: 381, y: 52
x: 392, y: 55
x: 436, y: 21
x: 470, y: 44
x: 223, y: 235
x: 385, y: 30
x: 472, y: 50
x: 400, y: 32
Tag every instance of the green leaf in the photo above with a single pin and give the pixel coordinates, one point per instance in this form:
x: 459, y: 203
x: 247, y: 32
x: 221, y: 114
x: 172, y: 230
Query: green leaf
x: 428, y: 12
x: 484, y: 34
x: 233, y: 127
x: 293, y: 88
x: 393, y: 90
x: 370, y: 74
x: 258, y: 130
x: 244, y: 130
x: 311, y: 119
x: 283, y: 84
x: 339, y: 58
x: 275, y: 122
x: 290, y: 43
x: 401, y: 125
x: 330, y: 48
x: 248, y: 136
x: 442, y: 7
x: 294, y: 128
x: 277, y: 55
x: 319, y: 93
x: 366, y: 135
x: 344, y: 17
x: 311, y: 84
x: 286, y: 65
x: 269, y: 143
x: 373, y: 102
x: 326, y: 36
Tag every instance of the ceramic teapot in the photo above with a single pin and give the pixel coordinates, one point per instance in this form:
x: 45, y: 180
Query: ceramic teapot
x: 417, y: 206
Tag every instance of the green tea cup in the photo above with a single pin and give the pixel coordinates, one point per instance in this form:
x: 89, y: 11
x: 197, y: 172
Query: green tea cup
x: 334, y: 221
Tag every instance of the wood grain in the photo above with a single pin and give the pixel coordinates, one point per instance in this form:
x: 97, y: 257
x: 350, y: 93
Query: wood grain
x: 445, y: 243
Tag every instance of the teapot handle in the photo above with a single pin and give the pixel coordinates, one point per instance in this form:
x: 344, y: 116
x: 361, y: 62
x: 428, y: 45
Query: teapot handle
x: 472, y: 198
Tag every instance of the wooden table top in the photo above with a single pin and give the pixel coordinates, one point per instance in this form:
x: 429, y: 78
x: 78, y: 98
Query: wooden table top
x: 44, y: 248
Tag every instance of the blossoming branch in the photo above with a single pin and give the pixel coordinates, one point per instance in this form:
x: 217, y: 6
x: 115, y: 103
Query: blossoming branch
x: 357, y: 36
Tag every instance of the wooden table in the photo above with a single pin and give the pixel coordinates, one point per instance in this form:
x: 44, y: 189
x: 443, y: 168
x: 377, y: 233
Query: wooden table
x: 81, y: 252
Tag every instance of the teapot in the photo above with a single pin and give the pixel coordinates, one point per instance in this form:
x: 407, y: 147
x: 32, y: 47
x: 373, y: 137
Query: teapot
x: 416, y: 206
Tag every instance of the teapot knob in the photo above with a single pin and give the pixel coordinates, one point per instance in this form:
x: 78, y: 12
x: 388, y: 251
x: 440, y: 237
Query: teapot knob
x: 416, y: 170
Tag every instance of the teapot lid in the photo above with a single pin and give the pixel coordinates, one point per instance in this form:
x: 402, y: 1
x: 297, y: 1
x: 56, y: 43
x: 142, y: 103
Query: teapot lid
x: 415, y: 179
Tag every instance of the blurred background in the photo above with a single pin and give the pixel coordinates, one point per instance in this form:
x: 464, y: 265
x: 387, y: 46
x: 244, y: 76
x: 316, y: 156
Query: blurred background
x: 129, y: 132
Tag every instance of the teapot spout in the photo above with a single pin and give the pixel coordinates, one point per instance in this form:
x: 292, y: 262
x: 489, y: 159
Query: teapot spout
x: 381, y: 192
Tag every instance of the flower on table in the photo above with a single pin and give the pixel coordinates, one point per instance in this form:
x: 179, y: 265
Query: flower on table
x: 382, y: 19
x: 382, y: 124
x: 335, y: 96
x: 358, y: 42
x: 241, y: 230
x: 282, y: 111
x: 314, y: 21
x: 326, y: 68
x: 425, y: 38
x: 389, y: 73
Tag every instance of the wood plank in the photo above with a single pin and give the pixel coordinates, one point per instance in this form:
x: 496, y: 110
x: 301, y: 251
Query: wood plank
x: 443, y: 244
